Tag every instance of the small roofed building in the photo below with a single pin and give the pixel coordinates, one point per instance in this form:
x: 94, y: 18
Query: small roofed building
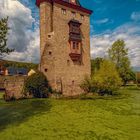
x: 3, y: 71
x: 31, y: 72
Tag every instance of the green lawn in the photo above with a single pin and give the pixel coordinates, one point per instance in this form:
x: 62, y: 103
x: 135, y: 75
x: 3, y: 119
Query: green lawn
x: 107, y: 118
x: 1, y: 94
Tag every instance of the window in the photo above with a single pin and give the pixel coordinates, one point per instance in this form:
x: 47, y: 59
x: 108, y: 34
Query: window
x: 73, y: 82
x: 46, y: 70
x: 50, y: 53
x: 63, y: 11
x: 74, y: 27
x: 49, y: 36
x: 68, y: 62
x: 82, y: 17
x: 74, y: 45
x: 73, y: 14
x: 77, y: 45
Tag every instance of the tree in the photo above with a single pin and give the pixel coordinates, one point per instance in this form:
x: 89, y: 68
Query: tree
x: 3, y: 37
x: 106, y: 80
x: 119, y: 55
x: 95, y: 64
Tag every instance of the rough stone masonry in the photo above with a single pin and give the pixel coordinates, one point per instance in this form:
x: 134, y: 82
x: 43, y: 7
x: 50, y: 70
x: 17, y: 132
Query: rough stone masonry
x: 64, y: 44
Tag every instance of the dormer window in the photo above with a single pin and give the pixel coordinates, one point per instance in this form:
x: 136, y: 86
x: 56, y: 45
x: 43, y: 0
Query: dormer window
x: 63, y: 11
x: 73, y: 14
x: 82, y: 17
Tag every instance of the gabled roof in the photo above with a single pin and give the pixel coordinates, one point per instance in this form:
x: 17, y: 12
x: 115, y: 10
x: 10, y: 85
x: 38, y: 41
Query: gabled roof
x: 67, y: 3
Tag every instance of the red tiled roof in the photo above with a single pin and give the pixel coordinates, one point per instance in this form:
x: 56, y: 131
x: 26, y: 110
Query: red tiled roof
x: 67, y: 4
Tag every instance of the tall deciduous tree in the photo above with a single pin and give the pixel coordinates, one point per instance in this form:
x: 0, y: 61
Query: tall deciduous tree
x: 95, y: 64
x: 119, y: 55
x: 3, y: 37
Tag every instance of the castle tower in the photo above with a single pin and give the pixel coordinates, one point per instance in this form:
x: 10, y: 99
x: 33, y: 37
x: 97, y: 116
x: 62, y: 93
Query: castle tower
x: 64, y: 44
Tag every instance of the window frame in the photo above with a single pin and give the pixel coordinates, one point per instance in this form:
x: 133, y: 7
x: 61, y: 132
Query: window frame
x: 73, y: 14
x: 63, y: 11
x: 82, y: 17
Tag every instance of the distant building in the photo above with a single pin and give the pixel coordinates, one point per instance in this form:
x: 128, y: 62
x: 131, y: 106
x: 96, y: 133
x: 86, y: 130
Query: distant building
x: 31, y: 72
x: 17, y: 71
x: 138, y: 77
x: 2, y: 70
x: 13, y: 71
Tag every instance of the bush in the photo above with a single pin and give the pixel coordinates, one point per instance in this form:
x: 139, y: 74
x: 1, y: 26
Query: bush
x: 86, y: 85
x: 37, y: 84
x: 105, y: 81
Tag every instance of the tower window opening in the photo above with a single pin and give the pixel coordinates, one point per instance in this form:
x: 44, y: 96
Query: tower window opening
x: 77, y: 45
x: 74, y: 45
x: 49, y: 36
x: 82, y: 17
x: 73, y: 82
x: 63, y: 11
x: 46, y: 70
x: 73, y: 14
x: 50, y: 53
x: 68, y: 62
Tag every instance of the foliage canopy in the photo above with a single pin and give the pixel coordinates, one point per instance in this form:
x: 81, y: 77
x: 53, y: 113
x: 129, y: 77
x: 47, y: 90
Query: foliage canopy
x: 105, y: 80
x: 3, y: 37
x: 119, y: 55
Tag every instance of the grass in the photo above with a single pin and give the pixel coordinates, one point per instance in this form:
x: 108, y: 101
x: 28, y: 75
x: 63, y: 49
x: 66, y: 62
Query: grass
x: 107, y: 118
x: 1, y: 94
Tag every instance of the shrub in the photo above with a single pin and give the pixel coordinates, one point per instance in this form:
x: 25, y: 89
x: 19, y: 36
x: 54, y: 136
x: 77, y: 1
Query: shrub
x: 86, y: 85
x: 105, y: 81
x: 37, y: 84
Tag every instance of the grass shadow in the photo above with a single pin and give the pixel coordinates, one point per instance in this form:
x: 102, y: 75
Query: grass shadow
x: 14, y: 113
x: 107, y: 97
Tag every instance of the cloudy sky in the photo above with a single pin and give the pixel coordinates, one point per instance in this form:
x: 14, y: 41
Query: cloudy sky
x: 111, y: 20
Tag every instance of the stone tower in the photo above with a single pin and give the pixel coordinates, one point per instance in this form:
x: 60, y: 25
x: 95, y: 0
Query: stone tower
x: 64, y: 44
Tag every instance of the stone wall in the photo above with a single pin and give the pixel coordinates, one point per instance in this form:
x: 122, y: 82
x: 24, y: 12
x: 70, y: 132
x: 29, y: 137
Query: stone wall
x: 13, y: 85
x: 64, y: 75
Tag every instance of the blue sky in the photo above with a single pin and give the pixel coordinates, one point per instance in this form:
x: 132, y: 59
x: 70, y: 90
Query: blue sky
x: 107, y: 15
x: 110, y: 13
x: 111, y: 20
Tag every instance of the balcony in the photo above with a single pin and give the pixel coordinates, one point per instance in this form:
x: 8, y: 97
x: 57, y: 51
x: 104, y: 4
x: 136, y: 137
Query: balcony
x: 75, y: 56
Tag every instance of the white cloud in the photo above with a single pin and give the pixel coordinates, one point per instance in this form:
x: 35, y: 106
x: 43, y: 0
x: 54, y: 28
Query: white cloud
x: 21, y: 36
x: 135, y: 16
x: 102, y: 21
x: 129, y: 32
x: 31, y: 54
x: 26, y: 41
